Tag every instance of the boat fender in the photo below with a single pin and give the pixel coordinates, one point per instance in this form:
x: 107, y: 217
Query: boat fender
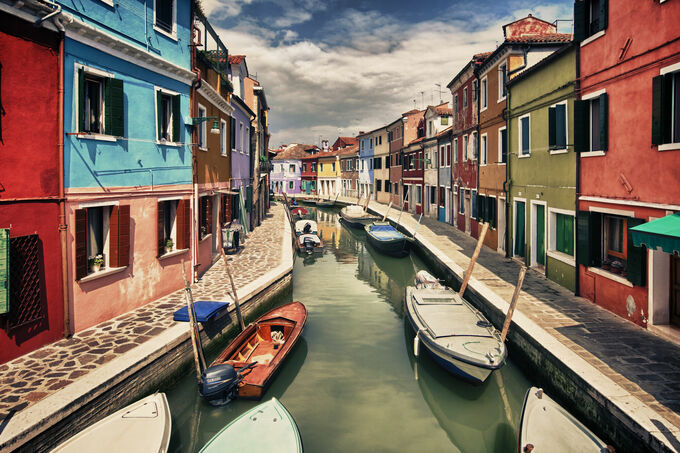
x: 416, y: 345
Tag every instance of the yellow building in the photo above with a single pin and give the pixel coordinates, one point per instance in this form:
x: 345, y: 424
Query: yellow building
x: 328, y: 174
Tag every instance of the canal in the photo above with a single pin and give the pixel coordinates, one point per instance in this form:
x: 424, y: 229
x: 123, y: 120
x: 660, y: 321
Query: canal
x: 352, y: 383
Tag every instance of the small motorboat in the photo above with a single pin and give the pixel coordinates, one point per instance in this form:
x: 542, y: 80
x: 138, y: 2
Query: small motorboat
x: 356, y: 216
x: 266, y: 428
x: 306, y: 226
x: 545, y: 426
x: 143, y: 426
x: 456, y: 334
x: 325, y: 203
x: 308, y: 243
x: 246, y: 367
x: 386, y: 239
x: 299, y: 212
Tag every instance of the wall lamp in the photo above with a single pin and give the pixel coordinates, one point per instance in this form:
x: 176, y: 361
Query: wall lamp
x: 215, y: 129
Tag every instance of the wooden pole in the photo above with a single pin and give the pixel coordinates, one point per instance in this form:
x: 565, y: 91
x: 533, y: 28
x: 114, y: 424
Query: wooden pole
x: 473, y: 260
x: 233, y: 291
x: 513, y: 303
x: 387, y: 212
x: 199, y: 360
x: 417, y: 226
x: 401, y: 212
x: 368, y: 199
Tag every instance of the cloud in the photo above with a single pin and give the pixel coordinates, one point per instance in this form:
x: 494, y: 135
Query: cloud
x: 365, y: 70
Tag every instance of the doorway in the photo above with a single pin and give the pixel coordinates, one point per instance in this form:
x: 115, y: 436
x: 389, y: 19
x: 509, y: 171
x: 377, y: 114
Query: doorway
x: 675, y: 290
x: 519, y: 250
x: 538, y: 234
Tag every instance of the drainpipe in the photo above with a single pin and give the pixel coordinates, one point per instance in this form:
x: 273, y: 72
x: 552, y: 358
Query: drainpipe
x: 577, y: 280
x: 193, y: 109
x: 63, y: 226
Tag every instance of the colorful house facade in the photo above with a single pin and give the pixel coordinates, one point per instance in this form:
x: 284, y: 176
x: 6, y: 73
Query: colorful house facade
x: 329, y: 174
x: 309, y: 173
x: 436, y: 119
x: 349, y: 162
x: 32, y: 310
x: 366, y: 150
x: 542, y: 167
x: 445, y: 196
x: 628, y: 158
x: 395, y: 139
x: 382, y: 187
x: 127, y: 84
x: 287, y: 169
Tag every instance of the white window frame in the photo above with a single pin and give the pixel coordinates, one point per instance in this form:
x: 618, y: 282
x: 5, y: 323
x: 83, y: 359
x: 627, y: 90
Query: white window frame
x: 520, y: 153
x: 552, y: 236
x: 500, y: 144
x: 172, y: 35
x: 246, y: 141
x: 76, y: 127
x: 483, y: 150
x: 501, y: 97
x: 447, y: 159
x: 241, y: 136
x: 224, y: 146
x: 106, y: 233
x: 166, y: 92
x: 465, y: 97
x: 455, y: 150
x: 673, y: 145
x: 475, y: 144
x: 202, y: 128
x: 588, y: 97
x: 484, y: 98
x: 466, y: 142
x: 566, y: 129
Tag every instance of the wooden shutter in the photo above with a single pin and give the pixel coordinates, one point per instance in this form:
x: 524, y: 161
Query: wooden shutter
x: 604, y: 14
x: 81, y: 243
x: 160, y: 228
x: 581, y: 128
x: 183, y: 224
x: 249, y: 197
x: 604, y: 126
x: 579, y: 21
x: 81, y: 100
x: 232, y: 133
x: 4, y: 271
x: 657, y: 110
x: 208, y: 215
x: 119, y: 236
x: 552, y: 127
x: 636, y: 262
x: 113, y: 104
x: 159, y: 114
x: 176, y: 118
x: 589, y: 247
x: 561, y: 126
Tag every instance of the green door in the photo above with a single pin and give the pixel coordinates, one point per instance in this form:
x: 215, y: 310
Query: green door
x: 519, y: 229
x: 540, y: 234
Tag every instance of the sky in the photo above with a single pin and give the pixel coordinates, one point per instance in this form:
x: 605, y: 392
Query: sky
x: 335, y: 68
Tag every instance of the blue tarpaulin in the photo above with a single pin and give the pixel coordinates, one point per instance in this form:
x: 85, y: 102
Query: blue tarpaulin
x: 205, y: 311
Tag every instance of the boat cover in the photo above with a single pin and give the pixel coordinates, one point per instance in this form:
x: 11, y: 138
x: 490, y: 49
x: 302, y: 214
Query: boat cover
x: 205, y: 311
x: 313, y: 237
x: 445, y: 315
x: 355, y: 210
x: 385, y: 232
x: 300, y: 226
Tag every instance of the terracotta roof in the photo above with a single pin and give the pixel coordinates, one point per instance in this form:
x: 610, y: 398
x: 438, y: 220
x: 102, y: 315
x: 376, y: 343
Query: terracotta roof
x: 479, y: 56
x: 544, y: 37
x: 418, y: 140
x: 236, y: 59
x: 350, y: 150
x: 294, y: 152
x: 443, y: 109
x: 410, y: 112
x: 445, y: 131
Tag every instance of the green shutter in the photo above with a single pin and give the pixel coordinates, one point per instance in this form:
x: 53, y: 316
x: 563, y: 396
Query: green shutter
x: 581, y: 142
x: 159, y: 115
x: 4, y: 271
x: 604, y: 125
x: 636, y: 262
x: 176, y: 118
x: 579, y: 21
x: 560, y: 126
x: 81, y: 99
x: 604, y: 14
x: 480, y: 211
x: 552, y: 127
x: 114, y: 119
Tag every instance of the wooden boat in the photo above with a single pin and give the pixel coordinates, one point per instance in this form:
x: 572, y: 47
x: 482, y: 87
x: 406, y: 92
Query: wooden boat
x: 386, y: 239
x: 325, y: 203
x: 308, y: 244
x: 266, y: 343
x: 455, y: 333
x: 266, y: 428
x: 143, y: 426
x: 299, y: 212
x: 548, y: 427
x: 356, y: 217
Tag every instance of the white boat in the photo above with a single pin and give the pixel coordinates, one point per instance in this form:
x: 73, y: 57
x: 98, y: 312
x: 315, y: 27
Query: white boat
x: 141, y: 427
x: 548, y: 427
x: 456, y: 334
x: 356, y: 216
x: 306, y: 227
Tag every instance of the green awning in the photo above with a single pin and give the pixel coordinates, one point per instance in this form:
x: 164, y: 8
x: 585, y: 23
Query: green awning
x: 663, y: 233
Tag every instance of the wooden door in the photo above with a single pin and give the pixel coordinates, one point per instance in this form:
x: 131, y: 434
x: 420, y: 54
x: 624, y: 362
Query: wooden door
x: 675, y: 290
x: 540, y: 235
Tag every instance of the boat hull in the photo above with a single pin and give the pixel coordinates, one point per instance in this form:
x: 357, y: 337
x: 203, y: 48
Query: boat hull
x: 398, y: 248
x: 357, y: 222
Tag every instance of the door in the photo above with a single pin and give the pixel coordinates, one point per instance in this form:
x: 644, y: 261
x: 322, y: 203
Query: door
x: 468, y: 210
x: 540, y: 235
x: 519, y: 229
x: 675, y: 290
x: 500, y: 224
x: 447, y: 205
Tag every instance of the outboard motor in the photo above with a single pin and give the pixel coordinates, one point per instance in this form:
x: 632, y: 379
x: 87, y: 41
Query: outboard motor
x: 309, y: 245
x: 307, y: 228
x: 219, y: 383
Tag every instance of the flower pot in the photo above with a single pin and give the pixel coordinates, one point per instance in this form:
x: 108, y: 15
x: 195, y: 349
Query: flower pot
x: 96, y: 267
x: 168, y: 249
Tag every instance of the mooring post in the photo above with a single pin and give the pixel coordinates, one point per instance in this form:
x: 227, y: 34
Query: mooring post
x: 473, y: 260
x: 199, y: 359
x: 233, y: 291
x: 387, y: 212
x: 513, y: 303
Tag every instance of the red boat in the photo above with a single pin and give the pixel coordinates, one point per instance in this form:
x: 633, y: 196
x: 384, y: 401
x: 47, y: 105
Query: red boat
x: 267, y: 341
x: 299, y: 212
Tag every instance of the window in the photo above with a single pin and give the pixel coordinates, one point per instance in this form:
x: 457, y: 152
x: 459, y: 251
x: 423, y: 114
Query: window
x: 557, y: 127
x: 202, y: 129
x: 445, y: 120
x: 483, y: 155
x: 232, y: 129
x: 591, y: 123
x: 291, y: 168
x: 475, y: 90
x: 455, y: 150
x: 101, y: 233
x: 473, y: 201
x: 313, y: 167
x: 461, y: 208
x: 455, y: 103
x: 388, y: 186
x: 419, y: 194
x: 242, y: 136
x: 590, y: 18
x: 167, y: 226
x: 442, y: 156
x: 321, y: 167
x: 475, y: 145
x: 441, y: 196
x: 290, y: 185
x: 484, y: 93
x: 333, y: 167
x: 502, y: 80
x: 379, y: 139
x: 378, y: 185
x: 524, y: 136
x: 165, y: 14
x: 246, y: 141
x: 223, y: 137
x: 465, y: 147
x: 430, y: 128
x: 448, y: 155
x: 168, y: 116
x: 304, y: 167
x: 465, y: 97
x: 502, y: 144
x: 614, y: 232
x: 100, y: 103
x: 666, y: 108
x: 433, y: 195
x: 205, y: 216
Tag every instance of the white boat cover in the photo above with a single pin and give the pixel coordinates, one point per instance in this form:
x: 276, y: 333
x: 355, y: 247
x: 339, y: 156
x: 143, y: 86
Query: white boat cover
x: 313, y: 237
x: 300, y: 227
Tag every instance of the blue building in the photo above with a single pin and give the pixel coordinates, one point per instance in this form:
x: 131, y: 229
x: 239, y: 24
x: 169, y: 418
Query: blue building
x: 366, y: 152
x: 127, y: 153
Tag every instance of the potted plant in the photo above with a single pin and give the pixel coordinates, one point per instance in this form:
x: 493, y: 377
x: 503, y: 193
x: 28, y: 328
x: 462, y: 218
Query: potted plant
x: 96, y: 263
x: 168, y: 245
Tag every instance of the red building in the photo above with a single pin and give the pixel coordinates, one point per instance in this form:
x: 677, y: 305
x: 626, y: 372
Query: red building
x: 395, y: 138
x: 413, y: 173
x: 627, y: 131
x: 31, y: 182
x: 308, y: 173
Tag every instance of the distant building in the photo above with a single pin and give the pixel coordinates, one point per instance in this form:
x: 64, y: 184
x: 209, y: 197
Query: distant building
x: 286, y: 176
x: 436, y: 119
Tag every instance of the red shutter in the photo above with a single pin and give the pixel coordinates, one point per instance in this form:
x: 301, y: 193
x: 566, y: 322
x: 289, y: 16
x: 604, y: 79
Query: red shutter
x: 81, y: 243
x: 119, y: 236
x: 160, y: 228
x: 183, y: 224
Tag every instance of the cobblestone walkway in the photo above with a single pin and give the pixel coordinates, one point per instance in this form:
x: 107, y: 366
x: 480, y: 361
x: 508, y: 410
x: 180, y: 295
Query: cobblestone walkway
x: 644, y: 364
x: 30, y: 378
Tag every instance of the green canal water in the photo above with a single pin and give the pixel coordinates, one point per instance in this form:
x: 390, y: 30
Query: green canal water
x: 352, y: 382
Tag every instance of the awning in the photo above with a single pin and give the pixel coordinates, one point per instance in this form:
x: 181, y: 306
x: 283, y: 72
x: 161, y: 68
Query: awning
x: 663, y: 233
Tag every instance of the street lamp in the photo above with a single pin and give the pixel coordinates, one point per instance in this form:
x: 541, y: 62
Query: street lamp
x: 215, y: 129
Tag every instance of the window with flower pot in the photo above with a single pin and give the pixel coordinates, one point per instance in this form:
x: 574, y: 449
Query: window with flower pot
x: 167, y: 226
x: 205, y: 216
x: 102, y: 238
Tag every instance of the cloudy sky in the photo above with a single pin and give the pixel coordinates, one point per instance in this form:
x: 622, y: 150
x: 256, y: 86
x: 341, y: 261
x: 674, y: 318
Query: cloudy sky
x: 338, y: 67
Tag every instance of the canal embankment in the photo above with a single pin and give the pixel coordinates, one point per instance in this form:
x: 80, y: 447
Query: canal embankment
x: 620, y: 379
x: 56, y: 391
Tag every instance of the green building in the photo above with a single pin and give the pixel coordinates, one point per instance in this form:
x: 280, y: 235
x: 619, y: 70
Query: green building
x: 541, y: 168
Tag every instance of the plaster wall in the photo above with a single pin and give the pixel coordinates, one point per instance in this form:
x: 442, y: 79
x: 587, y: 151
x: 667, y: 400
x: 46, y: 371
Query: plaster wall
x: 211, y: 165
x: 240, y: 156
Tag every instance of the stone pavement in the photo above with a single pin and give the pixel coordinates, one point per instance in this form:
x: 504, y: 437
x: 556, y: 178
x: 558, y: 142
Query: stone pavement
x: 30, y: 378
